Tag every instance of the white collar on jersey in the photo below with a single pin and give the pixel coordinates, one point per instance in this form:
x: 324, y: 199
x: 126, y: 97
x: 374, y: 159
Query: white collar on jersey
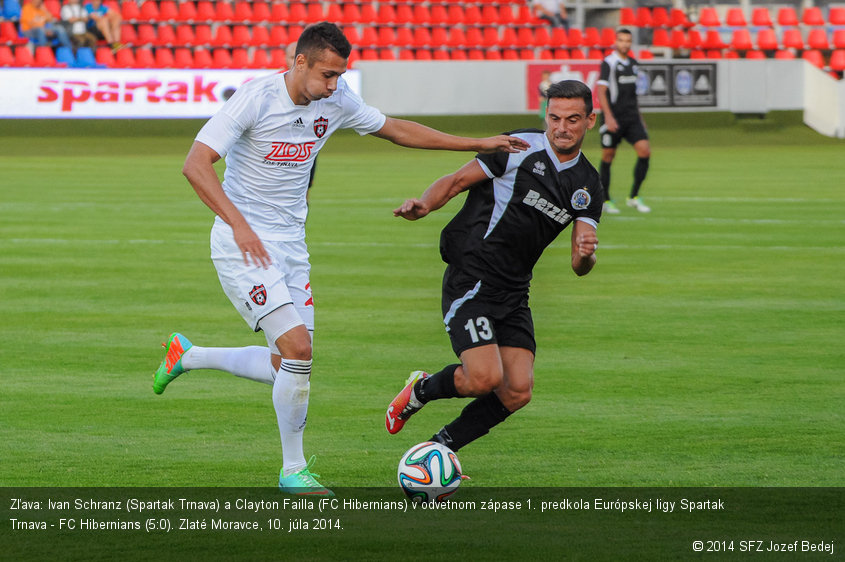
x: 560, y: 166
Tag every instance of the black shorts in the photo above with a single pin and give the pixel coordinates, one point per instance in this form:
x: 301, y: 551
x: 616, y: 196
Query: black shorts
x: 476, y: 314
x: 631, y: 130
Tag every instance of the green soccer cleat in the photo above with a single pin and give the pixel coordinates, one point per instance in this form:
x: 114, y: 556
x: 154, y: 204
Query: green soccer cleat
x: 171, y: 366
x: 304, y: 482
x: 638, y: 204
x: 610, y: 207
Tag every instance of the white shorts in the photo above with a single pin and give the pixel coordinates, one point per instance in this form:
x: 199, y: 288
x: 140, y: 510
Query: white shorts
x: 256, y: 292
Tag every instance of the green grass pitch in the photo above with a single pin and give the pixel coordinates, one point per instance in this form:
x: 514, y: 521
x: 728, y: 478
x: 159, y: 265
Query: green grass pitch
x: 705, y: 348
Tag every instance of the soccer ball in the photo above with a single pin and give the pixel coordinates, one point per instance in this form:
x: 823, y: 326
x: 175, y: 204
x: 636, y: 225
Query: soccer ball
x: 429, y: 472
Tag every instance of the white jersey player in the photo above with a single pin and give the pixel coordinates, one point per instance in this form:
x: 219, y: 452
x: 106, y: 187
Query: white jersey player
x: 270, y: 131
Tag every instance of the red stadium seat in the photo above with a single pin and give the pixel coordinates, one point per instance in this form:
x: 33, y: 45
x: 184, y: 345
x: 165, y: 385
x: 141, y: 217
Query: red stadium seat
x: 351, y: 14
x: 456, y: 14
x: 241, y: 36
x: 277, y: 58
x: 260, y: 36
x: 279, y: 12
x: 677, y: 39
x: 294, y: 32
x: 205, y: 11
x: 576, y: 37
x: 592, y: 37
x: 223, y: 36
x: 202, y: 58
x: 696, y: 54
x: 164, y: 58
x: 660, y: 37
x: 627, y: 18
x: 406, y: 54
x: 183, y: 57
x: 129, y: 11
x: 526, y: 54
x: 261, y: 13
x: 508, y: 38
x: 422, y: 15
x: 439, y: 36
x: 525, y: 37
x: 645, y: 54
x: 166, y: 35
x: 660, y: 17
x: 128, y: 35
x: 369, y: 54
x: 791, y: 39
x: 767, y: 39
x: 9, y: 34
x: 576, y: 54
x: 422, y: 54
x: 490, y: 37
x: 472, y: 15
x: 456, y: 38
x: 147, y: 35
x: 125, y: 58
x: 240, y: 58
x: 608, y: 38
x: 474, y: 38
x: 837, y: 60
x: 735, y: 18
x: 489, y: 15
x: 350, y: 31
x: 559, y: 38
x: 386, y: 37
x: 242, y: 12
x: 439, y: 15
x: 260, y: 59
x: 105, y: 57
x: 760, y: 17
x: 185, y: 35
x: 678, y: 18
x: 817, y: 39
x: 708, y: 17
x: 787, y: 16
x: 741, y: 40
x: 595, y: 54
x: 755, y: 55
x: 202, y: 35
x: 713, y: 54
x: 839, y: 38
x: 491, y: 54
x: 731, y: 54
x: 814, y: 57
x: 168, y: 11
x: 545, y: 54
x: 404, y: 14
x: 386, y: 14
x: 784, y: 55
x: 44, y: 57
x: 368, y: 14
x: 713, y: 40
x: 475, y: 54
x: 297, y: 13
x: 506, y: 15
x: 542, y: 37
x: 457, y: 54
x: 694, y: 39
x: 643, y: 17
x: 422, y: 37
x: 836, y: 15
x: 221, y: 58
x: 54, y: 7
x: 560, y: 54
x: 813, y: 16
x: 148, y: 12
x: 223, y: 12
x: 510, y: 54
x: 369, y: 37
x: 404, y: 37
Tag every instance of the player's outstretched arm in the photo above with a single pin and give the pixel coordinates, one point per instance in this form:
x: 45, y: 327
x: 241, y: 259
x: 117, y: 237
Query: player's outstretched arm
x: 199, y: 169
x: 441, y: 191
x: 415, y: 135
x: 584, y: 246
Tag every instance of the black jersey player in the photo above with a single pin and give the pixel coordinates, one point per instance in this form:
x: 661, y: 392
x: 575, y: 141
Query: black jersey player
x: 621, y: 119
x: 517, y: 204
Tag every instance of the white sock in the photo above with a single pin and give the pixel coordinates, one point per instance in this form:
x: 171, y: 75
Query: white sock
x: 290, y: 398
x: 251, y: 362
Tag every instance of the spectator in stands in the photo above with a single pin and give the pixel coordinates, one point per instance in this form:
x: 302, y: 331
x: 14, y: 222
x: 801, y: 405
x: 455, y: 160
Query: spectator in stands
x: 105, y: 23
x: 545, y: 82
x: 76, y: 20
x: 553, y: 11
x: 39, y: 25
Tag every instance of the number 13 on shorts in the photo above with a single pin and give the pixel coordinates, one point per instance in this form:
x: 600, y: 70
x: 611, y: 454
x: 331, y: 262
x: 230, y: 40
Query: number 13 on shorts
x: 479, y: 329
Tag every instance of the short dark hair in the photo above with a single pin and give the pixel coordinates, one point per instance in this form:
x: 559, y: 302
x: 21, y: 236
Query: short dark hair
x: 571, y: 89
x: 624, y: 31
x: 319, y: 37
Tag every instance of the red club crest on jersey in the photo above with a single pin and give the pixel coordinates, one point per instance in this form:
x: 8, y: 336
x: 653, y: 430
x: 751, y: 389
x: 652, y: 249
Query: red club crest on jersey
x: 258, y: 294
x: 321, y: 125
x: 287, y: 152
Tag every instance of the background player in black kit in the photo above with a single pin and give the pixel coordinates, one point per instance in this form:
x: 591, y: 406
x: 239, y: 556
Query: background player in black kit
x: 621, y: 119
x: 516, y: 206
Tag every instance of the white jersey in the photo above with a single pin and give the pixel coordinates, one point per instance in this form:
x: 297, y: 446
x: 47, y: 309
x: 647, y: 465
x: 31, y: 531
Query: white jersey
x: 270, y: 144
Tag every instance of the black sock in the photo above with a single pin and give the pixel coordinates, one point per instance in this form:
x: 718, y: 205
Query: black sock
x: 437, y: 386
x: 604, y: 177
x: 476, y: 420
x: 640, y: 170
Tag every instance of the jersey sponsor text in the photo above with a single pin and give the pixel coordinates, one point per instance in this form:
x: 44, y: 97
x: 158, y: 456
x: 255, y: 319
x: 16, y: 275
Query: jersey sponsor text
x: 533, y: 199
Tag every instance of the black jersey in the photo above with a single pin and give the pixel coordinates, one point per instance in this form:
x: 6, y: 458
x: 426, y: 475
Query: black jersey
x: 620, y: 77
x: 507, y: 221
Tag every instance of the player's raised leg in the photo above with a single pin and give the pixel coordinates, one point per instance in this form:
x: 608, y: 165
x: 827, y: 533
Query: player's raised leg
x: 171, y: 366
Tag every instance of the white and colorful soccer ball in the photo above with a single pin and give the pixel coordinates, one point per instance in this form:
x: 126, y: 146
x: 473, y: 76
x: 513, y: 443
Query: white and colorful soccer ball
x: 429, y: 472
